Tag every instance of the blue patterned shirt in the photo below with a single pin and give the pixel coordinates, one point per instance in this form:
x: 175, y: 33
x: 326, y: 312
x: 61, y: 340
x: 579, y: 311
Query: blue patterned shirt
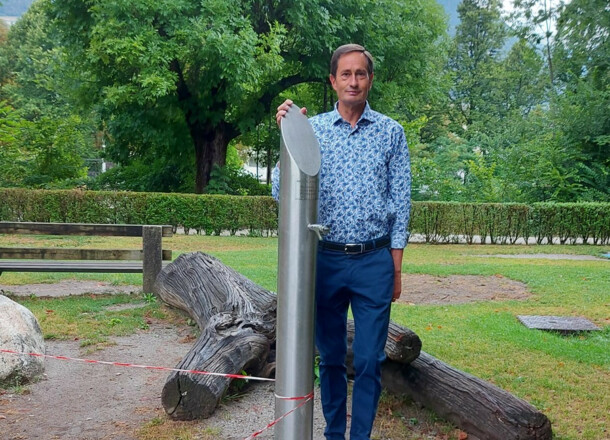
x: 365, y: 178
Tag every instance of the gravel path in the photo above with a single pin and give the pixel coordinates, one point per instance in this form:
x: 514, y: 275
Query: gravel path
x: 80, y: 401
x: 546, y: 256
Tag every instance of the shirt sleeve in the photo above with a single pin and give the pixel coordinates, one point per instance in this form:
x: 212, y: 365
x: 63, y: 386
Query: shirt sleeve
x: 275, y: 183
x: 399, y: 171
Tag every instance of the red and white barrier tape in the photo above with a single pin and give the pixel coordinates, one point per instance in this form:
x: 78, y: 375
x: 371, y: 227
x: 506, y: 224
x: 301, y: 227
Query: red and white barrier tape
x: 147, y: 367
x: 304, y: 399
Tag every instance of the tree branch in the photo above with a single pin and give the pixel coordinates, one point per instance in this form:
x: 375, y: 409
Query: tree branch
x: 275, y: 89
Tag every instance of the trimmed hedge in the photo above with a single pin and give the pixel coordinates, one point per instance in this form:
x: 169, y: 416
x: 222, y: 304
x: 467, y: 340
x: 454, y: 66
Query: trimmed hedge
x: 501, y: 223
x: 437, y: 222
x: 209, y: 214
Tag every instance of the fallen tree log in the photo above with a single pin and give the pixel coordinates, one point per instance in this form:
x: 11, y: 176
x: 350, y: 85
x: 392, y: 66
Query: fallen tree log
x: 228, y: 344
x: 480, y: 408
x: 237, y: 319
x: 202, y: 286
x: 402, y: 345
x: 237, y: 322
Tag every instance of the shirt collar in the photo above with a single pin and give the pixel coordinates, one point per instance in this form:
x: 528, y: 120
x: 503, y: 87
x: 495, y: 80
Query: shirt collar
x: 367, y: 114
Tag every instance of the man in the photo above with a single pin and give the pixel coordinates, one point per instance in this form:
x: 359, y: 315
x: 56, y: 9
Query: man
x: 365, y: 186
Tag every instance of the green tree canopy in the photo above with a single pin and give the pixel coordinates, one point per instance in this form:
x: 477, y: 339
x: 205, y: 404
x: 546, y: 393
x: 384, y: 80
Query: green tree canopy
x: 478, y: 42
x: 48, y: 140
x: 182, y: 78
x: 582, y: 54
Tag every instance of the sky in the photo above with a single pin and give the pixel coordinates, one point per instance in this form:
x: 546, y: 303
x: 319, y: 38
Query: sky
x: 507, y: 6
x: 17, y: 7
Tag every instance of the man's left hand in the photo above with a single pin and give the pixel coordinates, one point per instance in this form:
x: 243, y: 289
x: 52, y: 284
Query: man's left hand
x: 397, y: 257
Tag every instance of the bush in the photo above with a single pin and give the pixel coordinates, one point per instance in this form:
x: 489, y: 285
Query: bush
x: 500, y: 223
x: 437, y: 222
x: 204, y: 213
x: 235, y: 181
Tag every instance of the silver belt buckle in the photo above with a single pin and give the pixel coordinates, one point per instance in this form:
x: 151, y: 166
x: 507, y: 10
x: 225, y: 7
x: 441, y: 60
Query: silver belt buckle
x: 348, y: 245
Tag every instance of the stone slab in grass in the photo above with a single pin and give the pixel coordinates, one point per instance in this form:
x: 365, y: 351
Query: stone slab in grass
x: 563, y: 324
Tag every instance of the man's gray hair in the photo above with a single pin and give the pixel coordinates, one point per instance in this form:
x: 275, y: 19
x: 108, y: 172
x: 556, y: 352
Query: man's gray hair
x: 347, y: 48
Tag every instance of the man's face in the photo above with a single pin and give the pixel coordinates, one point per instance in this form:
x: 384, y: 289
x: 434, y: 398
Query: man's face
x: 353, y: 81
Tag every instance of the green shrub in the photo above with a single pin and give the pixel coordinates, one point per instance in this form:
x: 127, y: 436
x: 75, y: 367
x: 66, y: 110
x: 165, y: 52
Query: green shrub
x: 437, y: 222
x: 235, y: 181
x: 203, y: 213
x: 447, y: 222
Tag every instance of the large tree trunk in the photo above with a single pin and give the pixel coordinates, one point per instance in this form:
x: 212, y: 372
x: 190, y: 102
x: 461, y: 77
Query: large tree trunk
x: 237, y: 319
x: 209, y: 139
x: 210, y: 149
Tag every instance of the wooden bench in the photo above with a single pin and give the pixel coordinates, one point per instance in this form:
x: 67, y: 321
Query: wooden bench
x: 149, y: 260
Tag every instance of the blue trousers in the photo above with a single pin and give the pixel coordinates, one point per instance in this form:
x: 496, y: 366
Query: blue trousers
x: 366, y: 282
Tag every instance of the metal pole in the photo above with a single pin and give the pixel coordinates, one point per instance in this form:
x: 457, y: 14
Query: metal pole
x: 300, y: 165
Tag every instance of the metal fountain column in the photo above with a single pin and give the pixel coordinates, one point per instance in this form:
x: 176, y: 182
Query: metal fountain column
x: 298, y: 235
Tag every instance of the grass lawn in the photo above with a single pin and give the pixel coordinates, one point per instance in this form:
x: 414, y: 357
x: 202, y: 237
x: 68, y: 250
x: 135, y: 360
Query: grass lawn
x: 566, y: 377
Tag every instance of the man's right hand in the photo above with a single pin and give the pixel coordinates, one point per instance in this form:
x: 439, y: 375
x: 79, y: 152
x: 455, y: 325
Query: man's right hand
x: 283, y: 109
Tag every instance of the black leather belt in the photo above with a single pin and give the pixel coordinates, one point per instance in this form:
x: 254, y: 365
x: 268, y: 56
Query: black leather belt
x: 355, y: 248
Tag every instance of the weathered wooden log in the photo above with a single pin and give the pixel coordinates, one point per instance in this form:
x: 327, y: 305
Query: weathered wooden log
x: 402, y: 345
x: 478, y: 407
x: 228, y: 344
x: 237, y: 322
x: 202, y: 286
x: 237, y: 319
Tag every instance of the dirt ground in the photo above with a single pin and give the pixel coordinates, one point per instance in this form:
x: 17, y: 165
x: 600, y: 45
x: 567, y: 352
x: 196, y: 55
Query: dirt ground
x: 77, y: 400
x: 458, y: 289
x: 85, y: 401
